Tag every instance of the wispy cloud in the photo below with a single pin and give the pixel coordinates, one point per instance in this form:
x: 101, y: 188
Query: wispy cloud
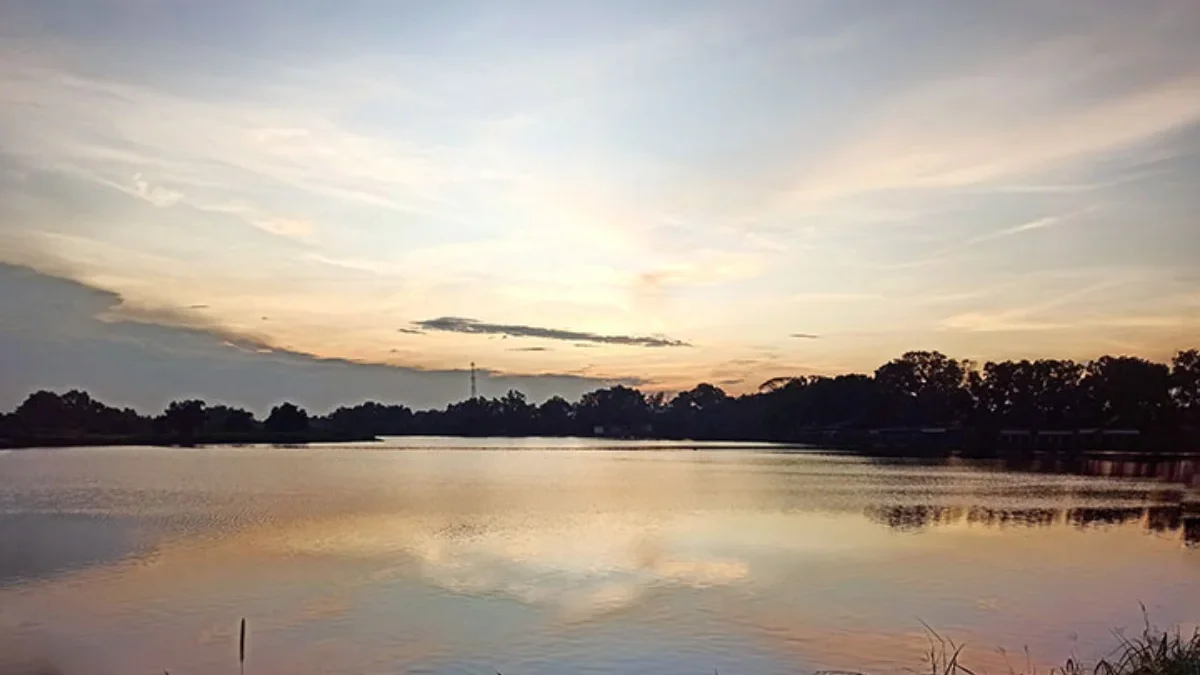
x: 452, y: 324
x: 833, y: 297
x: 1006, y: 321
x: 1048, y: 314
x: 987, y: 140
x: 951, y: 251
x: 804, y: 336
x: 156, y: 195
x: 1038, y: 224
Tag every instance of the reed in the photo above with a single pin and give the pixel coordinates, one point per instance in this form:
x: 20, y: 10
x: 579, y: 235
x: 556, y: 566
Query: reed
x: 1153, y: 652
x: 242, y: 647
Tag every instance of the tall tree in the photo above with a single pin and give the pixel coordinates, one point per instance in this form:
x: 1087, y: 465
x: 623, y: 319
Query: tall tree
x: 372, y: 418
x: 516, y: 415
x: 1040, y: 394
x: 620, y: 409
x: 1125, y: 391
x: 184, y: 419
x: 555, y: 417
x: 700, y: 413
x: 224, y: 419
x: 287, y: 418
x: 1185, y: 385
x: 926, y: 388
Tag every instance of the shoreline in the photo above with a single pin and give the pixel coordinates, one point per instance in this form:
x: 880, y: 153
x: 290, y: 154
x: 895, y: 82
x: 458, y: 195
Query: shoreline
x: 835, y: 445
x: 144, y: 440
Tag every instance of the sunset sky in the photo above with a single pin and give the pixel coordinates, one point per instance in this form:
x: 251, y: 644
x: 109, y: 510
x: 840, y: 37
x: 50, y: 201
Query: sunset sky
x: 573, y: 193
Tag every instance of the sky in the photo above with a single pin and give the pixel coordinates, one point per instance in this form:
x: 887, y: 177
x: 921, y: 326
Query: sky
x: 340, y: 201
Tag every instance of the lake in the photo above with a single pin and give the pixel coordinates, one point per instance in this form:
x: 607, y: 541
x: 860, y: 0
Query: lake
x: 532, y: 556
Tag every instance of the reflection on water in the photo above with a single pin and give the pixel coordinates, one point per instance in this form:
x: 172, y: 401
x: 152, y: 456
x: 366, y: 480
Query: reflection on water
x: 524, y: 558
x: 1176, y: 519
x: 1185, y: 472
x: 78, y: 541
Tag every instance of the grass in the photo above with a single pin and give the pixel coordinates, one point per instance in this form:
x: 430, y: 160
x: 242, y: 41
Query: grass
x: 1154, y: 652
x: 1151, y: 653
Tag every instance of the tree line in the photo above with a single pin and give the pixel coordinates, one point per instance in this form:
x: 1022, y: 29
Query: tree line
x: 918, y: 389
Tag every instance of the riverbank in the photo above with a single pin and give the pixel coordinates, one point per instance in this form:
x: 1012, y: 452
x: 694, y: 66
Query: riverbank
x: 1154, y: 652
x: 158, y: 440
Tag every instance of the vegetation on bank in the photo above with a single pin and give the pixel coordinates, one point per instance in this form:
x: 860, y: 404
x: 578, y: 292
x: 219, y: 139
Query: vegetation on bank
x: 916, y: 390
x: 1153, y: 652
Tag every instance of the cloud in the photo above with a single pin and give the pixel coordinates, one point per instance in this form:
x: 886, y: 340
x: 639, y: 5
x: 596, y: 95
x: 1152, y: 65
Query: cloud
x: 197, y: 306
x: 1008, y: 321
x: 292, y: 228
x: 834, y: 297
x: 1044, y: 102
x: 1038, y: 224
x: 453, y: 324
x: 57, y: 324
x: 530, y: 349
x: 423, y: 183
x: 1025, y: 319
x: 297, y: 229
x: 805, y: 336
x: 127, y: 311
x: 948, y: 252
x: 355, y: 264
x: 247, y: 349
x: 158, y: 196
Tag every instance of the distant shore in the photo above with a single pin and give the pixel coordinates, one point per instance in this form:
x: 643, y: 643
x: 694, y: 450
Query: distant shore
x: 242, y: 438
x: 913, y: 447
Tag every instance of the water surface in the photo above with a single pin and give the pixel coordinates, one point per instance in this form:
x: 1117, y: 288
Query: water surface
x: 552, y: 556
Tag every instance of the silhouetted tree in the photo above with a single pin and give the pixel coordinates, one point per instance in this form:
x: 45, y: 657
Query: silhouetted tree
x: 700, y: 413
x: 777, y: 383
x: 74, y: 413
x: 287, y: 418
x: 925, y: 388
x: 47, y: 411
x: 618, y: 410
x: 224, y: 419
x: 1040, y: 394
x: 472, y: 417
x: 1125, y: 391
x: 183, y: 419
x: 555, y: 417
x: 917, y: 389
x: 516, y: 417
x: 372, y: 418
x: 1185, y: 385
x: 812, y: 402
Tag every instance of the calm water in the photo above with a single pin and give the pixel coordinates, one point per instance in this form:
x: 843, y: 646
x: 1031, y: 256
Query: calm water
x: 469, y: 556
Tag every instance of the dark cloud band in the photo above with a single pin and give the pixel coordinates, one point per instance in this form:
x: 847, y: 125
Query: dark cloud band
x: 454, y: 324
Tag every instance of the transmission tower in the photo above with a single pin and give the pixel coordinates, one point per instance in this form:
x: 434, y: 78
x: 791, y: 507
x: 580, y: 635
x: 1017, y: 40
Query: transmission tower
x: 474, y: 394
